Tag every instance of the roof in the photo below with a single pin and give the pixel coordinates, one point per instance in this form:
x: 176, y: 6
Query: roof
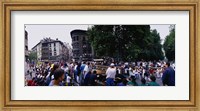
x: 47, y: 40
x: 77, y: 30
x: 35, y: 45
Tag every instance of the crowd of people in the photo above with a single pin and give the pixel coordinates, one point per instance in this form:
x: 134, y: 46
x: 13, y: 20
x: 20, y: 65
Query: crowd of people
x: 116, y: 74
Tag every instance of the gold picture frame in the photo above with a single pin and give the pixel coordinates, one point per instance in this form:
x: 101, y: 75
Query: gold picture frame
x: 121, y: 5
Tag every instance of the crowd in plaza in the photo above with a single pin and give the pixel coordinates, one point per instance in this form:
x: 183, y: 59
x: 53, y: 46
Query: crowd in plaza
x: 86, y: 74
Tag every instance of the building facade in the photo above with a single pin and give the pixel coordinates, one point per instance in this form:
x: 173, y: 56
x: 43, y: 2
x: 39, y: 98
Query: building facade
x: 81, y: 50
x: 26, y: 45
x: 69, y: 52
x: 51, y: 50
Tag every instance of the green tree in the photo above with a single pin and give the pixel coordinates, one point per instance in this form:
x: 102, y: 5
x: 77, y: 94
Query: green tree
x: 125, y: 42
x: 32, y: 56
x: 102, y: 39
x: 154, y: 46
x: 169, y: 44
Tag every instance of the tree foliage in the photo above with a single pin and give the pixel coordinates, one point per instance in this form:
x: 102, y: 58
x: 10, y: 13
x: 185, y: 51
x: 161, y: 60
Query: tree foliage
x: 32, y: 56
x: 125, y: 42
x: 169, y: 44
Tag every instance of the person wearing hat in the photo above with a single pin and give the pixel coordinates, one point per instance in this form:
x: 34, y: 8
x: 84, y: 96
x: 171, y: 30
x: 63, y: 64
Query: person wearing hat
x: 110, y: 75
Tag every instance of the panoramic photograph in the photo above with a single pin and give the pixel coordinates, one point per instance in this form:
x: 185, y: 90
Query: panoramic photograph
x: 99, y: 55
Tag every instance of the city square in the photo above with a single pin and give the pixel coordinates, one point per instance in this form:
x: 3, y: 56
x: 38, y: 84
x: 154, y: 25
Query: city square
x: 102, y: 55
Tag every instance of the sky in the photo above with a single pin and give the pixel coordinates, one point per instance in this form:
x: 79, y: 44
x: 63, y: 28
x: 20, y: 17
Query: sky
x: 62, y: 32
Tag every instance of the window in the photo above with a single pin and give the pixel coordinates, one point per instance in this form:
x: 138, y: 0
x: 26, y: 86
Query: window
x: 83, y: 38
x: 73, y: 38
x: 26, y: 47
x: 55, y: 53
x: 77, y: 38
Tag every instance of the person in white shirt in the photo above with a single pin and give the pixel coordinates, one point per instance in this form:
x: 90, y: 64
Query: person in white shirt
x: 68, y: 80
x: 136, y: 72
x: 131, y: 72
x: 65, y: 68
x: 86, y: 69
x: 126, y: 68
x: 159, y: 72
x: 110, y: 75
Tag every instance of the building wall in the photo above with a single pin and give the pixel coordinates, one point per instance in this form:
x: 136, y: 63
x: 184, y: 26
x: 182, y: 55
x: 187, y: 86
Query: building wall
x: 39, y: 51
x: 59, y: 53
x: 81, y: 47
x: 26, y: 45
x: 61, y: 48
x: 52, y: 49
x: 57, y: 48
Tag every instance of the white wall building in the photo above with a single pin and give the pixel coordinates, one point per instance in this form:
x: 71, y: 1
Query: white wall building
x: 49, y: 49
